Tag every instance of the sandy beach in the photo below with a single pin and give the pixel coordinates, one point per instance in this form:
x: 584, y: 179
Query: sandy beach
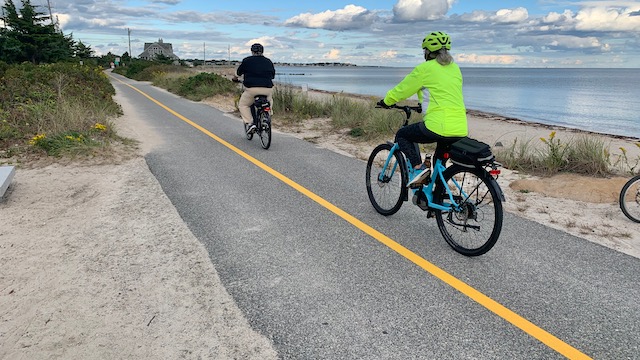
x: 96, y: 263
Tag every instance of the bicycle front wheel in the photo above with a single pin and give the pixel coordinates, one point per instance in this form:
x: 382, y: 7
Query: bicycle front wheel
x: 386, y: 186
x: 473, y: 225
x: 265, y: 130
x: 630, y: 199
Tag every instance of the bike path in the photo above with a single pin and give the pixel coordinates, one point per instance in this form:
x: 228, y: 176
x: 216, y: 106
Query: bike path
x: 320, y: 287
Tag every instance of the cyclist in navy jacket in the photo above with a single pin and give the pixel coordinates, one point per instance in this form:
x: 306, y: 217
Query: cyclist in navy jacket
x: 258, y: 72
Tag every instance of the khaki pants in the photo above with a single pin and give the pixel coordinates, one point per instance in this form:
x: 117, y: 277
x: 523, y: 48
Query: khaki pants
x: 247, y: 98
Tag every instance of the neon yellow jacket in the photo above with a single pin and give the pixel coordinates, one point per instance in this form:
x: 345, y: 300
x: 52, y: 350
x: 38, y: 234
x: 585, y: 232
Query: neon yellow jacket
x: 446, y: 114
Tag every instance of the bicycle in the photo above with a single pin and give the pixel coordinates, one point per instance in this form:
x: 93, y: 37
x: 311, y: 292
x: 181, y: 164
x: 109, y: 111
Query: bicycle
x: 461, y: 197
x: 262, y: 120
x: 630, y: 199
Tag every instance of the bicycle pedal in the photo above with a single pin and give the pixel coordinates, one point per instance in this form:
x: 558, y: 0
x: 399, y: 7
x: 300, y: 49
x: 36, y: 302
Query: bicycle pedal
x: 430, y: 214
x: 420, y: 201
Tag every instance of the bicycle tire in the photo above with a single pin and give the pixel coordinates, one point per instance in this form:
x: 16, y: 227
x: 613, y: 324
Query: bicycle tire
x: 265, y: 130
x: 630, y: 199
x: 248, y: 135
x: 386, y: 195
x: 463, y: 229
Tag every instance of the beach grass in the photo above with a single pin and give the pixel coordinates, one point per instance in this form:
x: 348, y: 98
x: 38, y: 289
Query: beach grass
x: 54, y: 110
x: 581, y: 154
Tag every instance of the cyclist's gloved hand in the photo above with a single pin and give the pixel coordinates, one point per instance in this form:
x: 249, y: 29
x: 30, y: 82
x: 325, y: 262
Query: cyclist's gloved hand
x: 382, y: 104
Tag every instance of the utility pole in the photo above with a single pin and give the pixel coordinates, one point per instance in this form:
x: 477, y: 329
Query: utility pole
x: 129, y: 33
x: 229, y: 51
x: 50, y: 13
x: 204, y: 54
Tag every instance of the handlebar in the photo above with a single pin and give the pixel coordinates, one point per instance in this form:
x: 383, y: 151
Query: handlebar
x: 406, y: 108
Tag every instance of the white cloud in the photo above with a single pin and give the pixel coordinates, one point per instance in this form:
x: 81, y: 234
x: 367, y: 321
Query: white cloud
x: 417, y: 10
x: 334, y: 54
x: 62, y: 19
x: 389, y: 54
x: 607, y: 19
x: 351, y: 17
x: 596, y: 17
x: 488, y: 59
x: 554, y: 17
x: 502, y: 16
x: 573, y: 42
x: 511, y: 16
x: 265, y: 41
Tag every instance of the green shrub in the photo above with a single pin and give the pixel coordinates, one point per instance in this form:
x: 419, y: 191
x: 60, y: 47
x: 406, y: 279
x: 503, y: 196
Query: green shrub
x: 56, y: 99
x: 134, y: 68
x: 205, y: 85
x: 155, y: 71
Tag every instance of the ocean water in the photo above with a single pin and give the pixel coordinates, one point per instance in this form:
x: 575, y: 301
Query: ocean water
x: 599, y: 100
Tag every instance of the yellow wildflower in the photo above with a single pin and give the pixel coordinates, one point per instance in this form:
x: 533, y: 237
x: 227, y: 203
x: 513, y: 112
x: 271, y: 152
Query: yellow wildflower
x: 99, y: 126
x: 36, y: 139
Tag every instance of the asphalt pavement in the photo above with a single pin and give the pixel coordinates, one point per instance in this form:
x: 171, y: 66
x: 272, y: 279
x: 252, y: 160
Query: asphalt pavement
x: 280, y: 230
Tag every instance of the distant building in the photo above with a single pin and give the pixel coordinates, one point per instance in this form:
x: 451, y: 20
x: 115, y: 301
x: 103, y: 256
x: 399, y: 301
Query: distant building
x: 159, y: 47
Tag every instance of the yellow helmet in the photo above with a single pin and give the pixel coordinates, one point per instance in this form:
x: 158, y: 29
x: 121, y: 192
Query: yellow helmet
x: 436, y: 41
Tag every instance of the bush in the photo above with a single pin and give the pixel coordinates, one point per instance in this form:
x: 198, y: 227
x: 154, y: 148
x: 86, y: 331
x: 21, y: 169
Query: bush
x: 133, y: 69
x: 205, y: 85
x: 54, y: 99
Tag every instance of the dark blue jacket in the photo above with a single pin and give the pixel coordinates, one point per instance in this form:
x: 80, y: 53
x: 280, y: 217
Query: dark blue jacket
x: 258, y: 71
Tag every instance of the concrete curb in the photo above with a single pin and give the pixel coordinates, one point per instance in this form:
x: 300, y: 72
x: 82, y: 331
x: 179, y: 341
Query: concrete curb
x: 6, y: 175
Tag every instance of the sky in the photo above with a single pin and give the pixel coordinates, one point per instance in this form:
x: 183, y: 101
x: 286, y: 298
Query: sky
x: 543, y: 33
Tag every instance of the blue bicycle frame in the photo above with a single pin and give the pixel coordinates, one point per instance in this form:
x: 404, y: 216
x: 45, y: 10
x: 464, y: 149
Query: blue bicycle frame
x: 438, y: 169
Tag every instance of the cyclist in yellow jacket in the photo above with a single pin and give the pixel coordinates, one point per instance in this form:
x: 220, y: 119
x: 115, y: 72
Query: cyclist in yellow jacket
x: 445, y: 118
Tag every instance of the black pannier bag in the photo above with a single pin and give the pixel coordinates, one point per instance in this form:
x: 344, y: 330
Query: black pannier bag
x: 470, y: 153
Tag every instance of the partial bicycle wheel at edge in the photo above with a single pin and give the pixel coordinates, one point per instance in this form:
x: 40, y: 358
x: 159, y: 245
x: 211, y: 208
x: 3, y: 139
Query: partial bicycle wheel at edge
x: 630, y: 199
x: 387, y: 193
x: 265, y: 130
x: 474, y: 229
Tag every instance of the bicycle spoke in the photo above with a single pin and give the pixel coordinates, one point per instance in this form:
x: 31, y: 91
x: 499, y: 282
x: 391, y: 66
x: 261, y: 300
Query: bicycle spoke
x: 630, y: 199
x: 474, y: 223
x: 384, y: 183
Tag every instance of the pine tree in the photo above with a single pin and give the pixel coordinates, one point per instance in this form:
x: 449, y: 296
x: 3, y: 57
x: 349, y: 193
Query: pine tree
x: 27, y: 37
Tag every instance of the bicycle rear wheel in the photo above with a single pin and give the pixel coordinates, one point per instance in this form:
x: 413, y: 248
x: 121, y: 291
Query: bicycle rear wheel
x: 630, y: 199
x: 475, y: 227
x: 265, y: 130
x: 386, y: 187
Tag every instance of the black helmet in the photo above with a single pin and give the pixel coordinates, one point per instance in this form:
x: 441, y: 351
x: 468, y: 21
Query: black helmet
x: 257, y: 48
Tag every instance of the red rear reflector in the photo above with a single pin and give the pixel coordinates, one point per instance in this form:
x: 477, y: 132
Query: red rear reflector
x: 445, y: 155
x: 267, y: 109
x: 494, y: 172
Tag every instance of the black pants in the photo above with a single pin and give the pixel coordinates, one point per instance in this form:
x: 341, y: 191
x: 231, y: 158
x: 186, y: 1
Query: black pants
x: 409, y: 135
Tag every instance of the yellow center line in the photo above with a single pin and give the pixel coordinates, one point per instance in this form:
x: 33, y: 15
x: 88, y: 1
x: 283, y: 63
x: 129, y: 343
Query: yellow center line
x: 492, y: 305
